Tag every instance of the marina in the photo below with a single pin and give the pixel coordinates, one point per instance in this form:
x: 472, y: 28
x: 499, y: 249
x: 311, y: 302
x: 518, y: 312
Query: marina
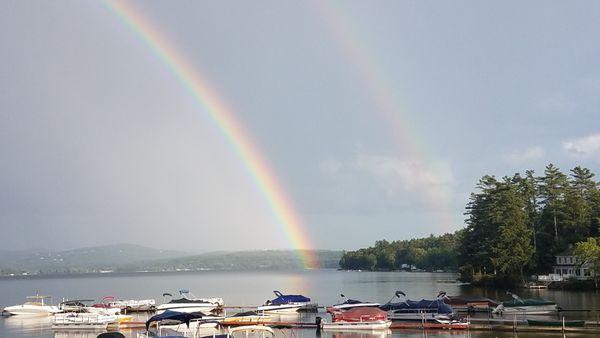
x: 321, y: 287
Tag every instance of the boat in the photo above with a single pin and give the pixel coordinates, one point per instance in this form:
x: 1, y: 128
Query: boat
x: 348, y: 304
x: 188, y: 324
x: 470, y: 304
x: 75, y: 305
x: 189, y: 303
x: 83, y: 321
x: 284, y: 303
x: 107, y: 305
x: 83, y: 306
x: 34, y: 306
x: 254, y: 330
x: 556, y: 323
x: 131, y: 305
x: 246, y: 318
x: 134, y: 305
x: 361, y: 318
x: 533, y: 306
x: 422, y: 310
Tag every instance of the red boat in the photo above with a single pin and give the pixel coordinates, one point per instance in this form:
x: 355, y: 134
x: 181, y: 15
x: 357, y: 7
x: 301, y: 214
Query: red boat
x: 362, y: 318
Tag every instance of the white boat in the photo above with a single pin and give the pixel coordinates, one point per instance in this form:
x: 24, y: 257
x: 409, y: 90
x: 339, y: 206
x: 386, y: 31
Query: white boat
x: 82, y: 306
x: 189, y: 303
x: 251, y: 330
x: 83, y: 321
x: 257, y: 331
x: 35, y: 306
x: 532, y: 306
x: 284, y: 303
x: 348, y: 304
x: 135, y: 305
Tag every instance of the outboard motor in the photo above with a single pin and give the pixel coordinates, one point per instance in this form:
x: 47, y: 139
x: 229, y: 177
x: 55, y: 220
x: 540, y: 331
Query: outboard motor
x: 318, y: 320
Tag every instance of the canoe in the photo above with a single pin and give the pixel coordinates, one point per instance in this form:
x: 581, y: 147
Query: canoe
x: 556, y: 323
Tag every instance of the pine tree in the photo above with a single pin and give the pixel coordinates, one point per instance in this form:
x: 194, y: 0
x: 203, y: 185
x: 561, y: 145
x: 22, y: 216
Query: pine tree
x: 553, y: 187
x: 512, y: 249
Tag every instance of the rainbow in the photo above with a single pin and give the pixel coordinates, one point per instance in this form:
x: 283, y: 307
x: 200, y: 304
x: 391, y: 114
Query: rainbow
x: 224, y: 119
x: 434, y: 192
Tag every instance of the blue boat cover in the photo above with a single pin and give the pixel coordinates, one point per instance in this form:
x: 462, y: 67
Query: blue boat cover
x: 182, y: 317
x: 286, y: 299
x: 436, y: 304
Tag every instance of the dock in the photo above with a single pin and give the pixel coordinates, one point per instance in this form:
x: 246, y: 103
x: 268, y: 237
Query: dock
x: 496, y: 325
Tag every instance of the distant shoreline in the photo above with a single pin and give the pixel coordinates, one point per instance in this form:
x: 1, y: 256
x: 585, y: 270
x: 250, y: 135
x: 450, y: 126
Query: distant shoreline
x: 141, y: 273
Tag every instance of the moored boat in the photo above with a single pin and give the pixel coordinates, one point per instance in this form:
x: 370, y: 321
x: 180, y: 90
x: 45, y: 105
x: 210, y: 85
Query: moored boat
x: 189, y: 303
x: 284, y: 303
x: 422, y: 310
x: 193, y: 323
x: 83, y: 320
x: 532, y: 306
x: 362, y: 318
x: 470, y: 304
x: 83, y: 306
x: 348, y: 304
x: 135, y: 305
x: 246, y: 318
x: 34, y: 306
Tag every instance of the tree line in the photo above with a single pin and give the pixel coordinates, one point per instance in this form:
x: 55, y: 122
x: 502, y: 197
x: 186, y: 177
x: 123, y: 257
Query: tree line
x: 515, y: 226
x: 431, y: 253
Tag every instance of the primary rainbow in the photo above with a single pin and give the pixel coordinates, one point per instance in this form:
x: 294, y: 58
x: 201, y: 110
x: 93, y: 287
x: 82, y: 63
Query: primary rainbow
x: 225, y: 121
x: 372, y: 76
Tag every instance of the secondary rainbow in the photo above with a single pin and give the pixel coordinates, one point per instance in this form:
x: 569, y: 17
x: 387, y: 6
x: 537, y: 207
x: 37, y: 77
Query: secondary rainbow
x: 224, y: 119
x: 435, y: 190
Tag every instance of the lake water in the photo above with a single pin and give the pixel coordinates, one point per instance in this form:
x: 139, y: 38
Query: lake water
x: 253, y: 288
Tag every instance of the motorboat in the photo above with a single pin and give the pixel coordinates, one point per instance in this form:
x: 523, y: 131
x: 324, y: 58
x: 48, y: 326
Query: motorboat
x: 284, y: 303
x: 182, y: 322
x: 234, y: 332
x: 246, y: 318
x: 189, y: 303
x: 107, y: 306
x: 135, y: 305
x: 422, y: 310
x: 532, y: 306
x: 34, y: 306
x: 251, y: 330
x: 361, y: 318
x: 470, y: 304
x: 83, y: 320
x: 347, y: 304
x: 75, y: 305
x: 83, y: 306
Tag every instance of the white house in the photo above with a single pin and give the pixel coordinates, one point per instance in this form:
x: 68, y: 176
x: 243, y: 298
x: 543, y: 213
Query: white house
x: 567, y: 267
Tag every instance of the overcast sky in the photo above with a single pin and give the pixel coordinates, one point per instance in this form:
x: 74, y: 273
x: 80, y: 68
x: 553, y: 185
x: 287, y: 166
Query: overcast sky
x: 100, y: 143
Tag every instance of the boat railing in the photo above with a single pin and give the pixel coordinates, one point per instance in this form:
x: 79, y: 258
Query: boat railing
x: 78, y: 318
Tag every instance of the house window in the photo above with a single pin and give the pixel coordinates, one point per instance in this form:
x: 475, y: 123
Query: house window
x: 577, y: 272
x: 559, y: 260
x: 587, y: 272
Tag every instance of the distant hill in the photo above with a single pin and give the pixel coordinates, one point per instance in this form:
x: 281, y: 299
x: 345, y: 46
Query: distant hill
x: 240, y: 260
x: 132, y: 258
x: 80, y: 260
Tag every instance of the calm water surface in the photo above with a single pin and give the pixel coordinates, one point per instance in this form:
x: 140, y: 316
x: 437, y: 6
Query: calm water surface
x: 253, y: 288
